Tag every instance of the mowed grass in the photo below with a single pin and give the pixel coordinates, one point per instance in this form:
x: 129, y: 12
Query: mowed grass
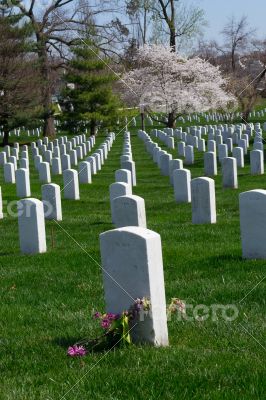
x: 47, y: 300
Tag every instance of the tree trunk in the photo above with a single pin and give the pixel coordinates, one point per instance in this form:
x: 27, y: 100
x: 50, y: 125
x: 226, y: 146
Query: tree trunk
x: 6, y: 137
x: 171, y: 120
x: 49, y: 126
x: 173, y: 40
x: 92, y: 127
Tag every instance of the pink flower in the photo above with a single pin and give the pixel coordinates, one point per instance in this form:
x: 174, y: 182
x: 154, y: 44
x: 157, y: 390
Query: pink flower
x: 76, y: 351
x: 97, y: 315
x: 105, y: 324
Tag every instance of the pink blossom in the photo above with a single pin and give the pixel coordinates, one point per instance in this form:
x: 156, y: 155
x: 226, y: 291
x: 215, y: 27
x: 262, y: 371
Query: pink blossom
x: 76, y: 351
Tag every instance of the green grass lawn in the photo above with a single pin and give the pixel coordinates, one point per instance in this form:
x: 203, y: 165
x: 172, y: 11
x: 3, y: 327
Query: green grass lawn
x: 47, y: 300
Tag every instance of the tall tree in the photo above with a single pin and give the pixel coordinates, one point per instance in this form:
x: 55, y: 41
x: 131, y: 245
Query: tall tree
x: 19, y: 81
x: 57, y: 25
x: 89, y: 99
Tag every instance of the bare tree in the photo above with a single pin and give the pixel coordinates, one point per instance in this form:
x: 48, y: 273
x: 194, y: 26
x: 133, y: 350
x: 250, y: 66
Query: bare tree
x: 178, y: 20
x: 238, y: 35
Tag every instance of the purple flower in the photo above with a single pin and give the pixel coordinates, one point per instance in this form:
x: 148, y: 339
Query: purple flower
x: 76, y: 351
x: 97, y: 315
x: 112, y: 316
x: 105, y: 324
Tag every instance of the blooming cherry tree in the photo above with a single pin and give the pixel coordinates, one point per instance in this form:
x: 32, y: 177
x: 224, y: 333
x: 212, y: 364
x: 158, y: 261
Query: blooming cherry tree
x: 166, y: 82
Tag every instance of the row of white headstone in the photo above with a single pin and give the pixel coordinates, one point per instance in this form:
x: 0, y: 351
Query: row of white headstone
x: 126, y: 209
x: 33, y: 212
x: 201, y: 193
x: 131, y: 256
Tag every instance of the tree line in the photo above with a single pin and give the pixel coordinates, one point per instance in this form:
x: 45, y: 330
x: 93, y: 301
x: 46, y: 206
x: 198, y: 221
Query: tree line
x: 64, y: 59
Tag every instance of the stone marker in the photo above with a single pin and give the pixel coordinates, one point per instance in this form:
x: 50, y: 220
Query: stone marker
x: 210, y: 163
x: 123, y: 175
x: 253, y: 223
x: 256, y: 162
x: 56, y: 166
x: 65, y: 162
x: 181, y: 149
x: 73, y: 157
x: 182, y: 190
x: 71, y: 184
x: 92, y: 162
x: 118, y: 189
x: 9, y: 173
x: 31, y: 226
x: 174, y: 164
x: 238, y: 154
x: 203, y: 201
x: 23, y: 182
x: 2, y: 158
x: 85, y: 172
x: 24, y: 163
x: 222, y: 151
x: 129, y: 211
x: 133, y: 268
x: 44, y: 172
x: 229, y: 172
x: 130, y: 165
x: 189, y: 155
x: 164, y: 164
x: 51, y: 198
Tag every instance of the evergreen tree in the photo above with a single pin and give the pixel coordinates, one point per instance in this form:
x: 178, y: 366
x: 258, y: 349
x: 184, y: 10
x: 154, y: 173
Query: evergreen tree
x: 89, y: 101
x: 19, y: 81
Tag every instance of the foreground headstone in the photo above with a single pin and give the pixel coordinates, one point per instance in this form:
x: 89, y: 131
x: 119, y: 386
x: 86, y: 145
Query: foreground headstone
x: 23, y: 182
x: 51, y: 197
x: 133, y: 268
x: 31, y: 226
x: 71, y: 184
x: 129, y: 211
x: 182, y: 190
x: 229, y: 172
x: 253, y: 223
x: 203, y: 201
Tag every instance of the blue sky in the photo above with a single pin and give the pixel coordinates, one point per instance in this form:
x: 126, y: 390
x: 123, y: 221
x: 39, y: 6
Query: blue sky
x: 217, y: 12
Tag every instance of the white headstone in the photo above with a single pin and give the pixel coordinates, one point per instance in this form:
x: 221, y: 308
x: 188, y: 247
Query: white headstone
x: 85, y: 172
x: 44, y: 172
x: 182, y: 183
x: 229, y: 172
x: 210, y: 163
x: 23, y: 182
x: 51, y: 197
x: 253, y: 223
x: 256, y: 162
x: 129, y: 211
x: 71, y: 184
x: 31, y: 226
x: 133, y: 268
x: 9, y: 173
x: 203, y: 201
